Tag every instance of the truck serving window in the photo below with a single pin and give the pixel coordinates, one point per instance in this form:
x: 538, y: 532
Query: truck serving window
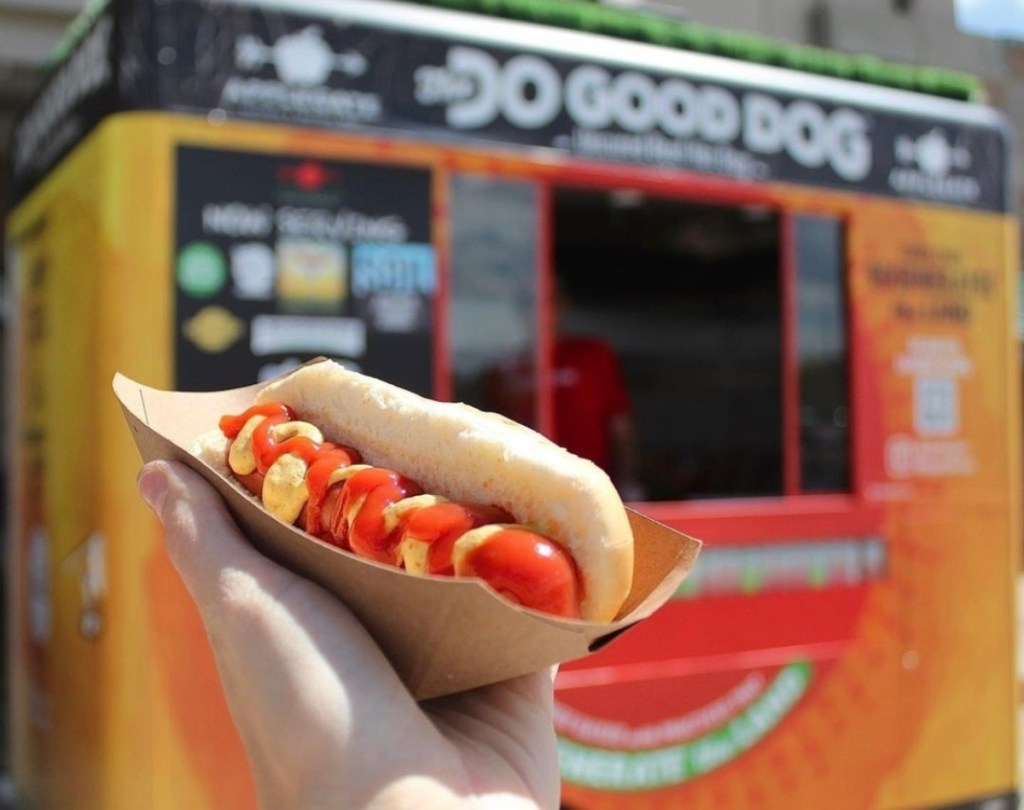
x: 669, y: 366
x: 689, y: 298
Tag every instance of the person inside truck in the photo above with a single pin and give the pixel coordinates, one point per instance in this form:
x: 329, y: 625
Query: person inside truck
x: 593, y: 414
x: 324, y: 718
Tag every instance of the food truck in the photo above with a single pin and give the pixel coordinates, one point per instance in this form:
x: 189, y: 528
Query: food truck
x: 808, y: 281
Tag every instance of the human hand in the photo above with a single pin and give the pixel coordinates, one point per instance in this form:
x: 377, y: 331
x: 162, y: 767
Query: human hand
x: 325, y: 721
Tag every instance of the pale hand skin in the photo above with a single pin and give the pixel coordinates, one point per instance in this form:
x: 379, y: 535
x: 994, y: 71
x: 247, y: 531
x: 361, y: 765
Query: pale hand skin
x: 323, y: 717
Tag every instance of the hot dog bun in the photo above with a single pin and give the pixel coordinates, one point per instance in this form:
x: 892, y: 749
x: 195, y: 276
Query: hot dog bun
x: 468, y: 455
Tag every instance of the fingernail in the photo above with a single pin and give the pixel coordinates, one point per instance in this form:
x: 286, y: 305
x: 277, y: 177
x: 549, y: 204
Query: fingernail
x: 152, y: 483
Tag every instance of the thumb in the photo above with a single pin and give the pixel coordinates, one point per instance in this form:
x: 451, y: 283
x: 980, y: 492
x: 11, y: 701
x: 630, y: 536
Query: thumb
x: 202, y: 540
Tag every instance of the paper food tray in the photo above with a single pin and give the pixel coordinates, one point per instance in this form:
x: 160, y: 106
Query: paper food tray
x: 442, y: 635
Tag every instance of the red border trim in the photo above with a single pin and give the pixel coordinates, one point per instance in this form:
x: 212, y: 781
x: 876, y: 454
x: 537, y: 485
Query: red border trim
x: 789, y: 339
x: 442, y: 235
x: 545, y: 413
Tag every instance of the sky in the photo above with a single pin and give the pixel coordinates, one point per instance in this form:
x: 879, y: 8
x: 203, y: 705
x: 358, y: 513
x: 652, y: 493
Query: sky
x: 1003, y: 19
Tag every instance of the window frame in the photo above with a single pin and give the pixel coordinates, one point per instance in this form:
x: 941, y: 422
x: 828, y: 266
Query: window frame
x: 792, y: 448
x: 762, y: 518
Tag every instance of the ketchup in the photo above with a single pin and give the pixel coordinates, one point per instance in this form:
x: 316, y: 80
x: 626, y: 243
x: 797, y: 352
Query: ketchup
x: 231, y: 426
x: 525, y: 567
x: 330, y: 459
x: 441, y: 524
x: 368, y: 493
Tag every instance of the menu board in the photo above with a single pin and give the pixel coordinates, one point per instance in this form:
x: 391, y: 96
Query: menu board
x: 281, y: 258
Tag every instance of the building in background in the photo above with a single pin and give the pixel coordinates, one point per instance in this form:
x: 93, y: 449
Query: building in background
x: 30, y: 30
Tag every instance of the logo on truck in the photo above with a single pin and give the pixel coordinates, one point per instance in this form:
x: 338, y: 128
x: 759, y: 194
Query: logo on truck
x: 931, y: 167
x: 305, y: 65
x: 302, y: 58
x: 531, y: 93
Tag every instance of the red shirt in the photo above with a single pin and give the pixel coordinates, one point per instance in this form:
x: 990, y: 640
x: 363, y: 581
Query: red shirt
x: 589, y: 392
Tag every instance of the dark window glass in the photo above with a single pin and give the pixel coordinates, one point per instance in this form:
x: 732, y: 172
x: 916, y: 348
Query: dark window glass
x: 687, y: 297
x: 493, y: 294
x: 821, y: 330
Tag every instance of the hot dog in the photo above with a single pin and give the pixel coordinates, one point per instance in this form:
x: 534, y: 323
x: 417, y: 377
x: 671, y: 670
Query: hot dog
x: 436, y: 488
